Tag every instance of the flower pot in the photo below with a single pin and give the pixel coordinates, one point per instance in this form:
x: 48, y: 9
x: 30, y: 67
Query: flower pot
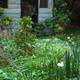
x: 47, y: 31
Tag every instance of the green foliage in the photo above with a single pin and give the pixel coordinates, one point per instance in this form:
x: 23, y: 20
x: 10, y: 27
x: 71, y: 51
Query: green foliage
x: 40, y: 26
x: 24, y: 38
x: 39, y: 29
x: 6, y: 21
x: 2, y: 11
x: 52, y: 59
x: 61, y: 15
x: 57, y: 28
x: 60, y: 5
x: 49, y: 21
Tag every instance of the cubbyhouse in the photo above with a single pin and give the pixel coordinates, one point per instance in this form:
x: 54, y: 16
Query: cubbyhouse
x: 39, y: 10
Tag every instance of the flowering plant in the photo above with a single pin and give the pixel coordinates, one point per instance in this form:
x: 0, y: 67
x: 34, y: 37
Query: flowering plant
x: 60, y: 64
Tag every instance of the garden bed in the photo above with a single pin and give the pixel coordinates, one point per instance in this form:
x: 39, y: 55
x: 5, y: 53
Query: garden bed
x: 47, y: 56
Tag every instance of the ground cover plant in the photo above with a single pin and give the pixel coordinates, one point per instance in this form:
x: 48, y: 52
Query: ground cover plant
x: 53, y: 58
x: 27, y: 57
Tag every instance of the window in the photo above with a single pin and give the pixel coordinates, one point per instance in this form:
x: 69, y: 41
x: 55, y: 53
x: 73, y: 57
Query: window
x: 43, y: 3
x: 3, y: 3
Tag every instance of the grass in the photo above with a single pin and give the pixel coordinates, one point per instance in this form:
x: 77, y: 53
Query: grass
x: 74, y: 31
x: 42, y: 65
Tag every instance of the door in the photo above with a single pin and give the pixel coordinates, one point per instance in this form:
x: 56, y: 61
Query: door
x: 45, y: 9
x: 30, y: 8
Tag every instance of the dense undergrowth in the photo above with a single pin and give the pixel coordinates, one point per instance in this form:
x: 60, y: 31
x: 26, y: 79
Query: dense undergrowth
x: 53, y: 58
x: 26, y: 57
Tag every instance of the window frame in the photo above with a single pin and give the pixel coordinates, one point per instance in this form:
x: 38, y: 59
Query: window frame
x: 44, y: 7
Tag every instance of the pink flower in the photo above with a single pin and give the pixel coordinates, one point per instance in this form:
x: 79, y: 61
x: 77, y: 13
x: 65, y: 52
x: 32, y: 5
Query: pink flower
x: 42, y: 64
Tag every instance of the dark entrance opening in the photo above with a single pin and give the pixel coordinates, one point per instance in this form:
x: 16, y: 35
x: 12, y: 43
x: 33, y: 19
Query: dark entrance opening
x: 4, y: 3
x: 30, y: 8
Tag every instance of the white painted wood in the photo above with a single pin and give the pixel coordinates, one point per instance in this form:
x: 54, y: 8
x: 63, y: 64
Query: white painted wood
x: 44, y: 13
x: 45, y: 10
x: 12, y: 11
x: 38, y: 9
x: 50, y: 3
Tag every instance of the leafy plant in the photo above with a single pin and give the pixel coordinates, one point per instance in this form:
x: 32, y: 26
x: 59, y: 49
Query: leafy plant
x: 53, y: 58
x: 57, y: 28
x: 24, y: 38
x: 61, y: 15
x: 2, y: 11
x: 49, y: 22
x: 39, y: 28
x: 6, y: 21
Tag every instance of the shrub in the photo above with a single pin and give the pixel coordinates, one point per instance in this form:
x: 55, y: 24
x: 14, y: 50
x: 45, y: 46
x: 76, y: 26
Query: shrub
x: 61, y: 15
x: 39, y: 28
x: 2, y: 11
x: 24, y: 38
x: 6, y: 21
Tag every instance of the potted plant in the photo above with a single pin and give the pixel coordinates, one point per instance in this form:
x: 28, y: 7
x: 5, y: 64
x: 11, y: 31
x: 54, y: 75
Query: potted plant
x: 45, y: 27
x: 48, y: 26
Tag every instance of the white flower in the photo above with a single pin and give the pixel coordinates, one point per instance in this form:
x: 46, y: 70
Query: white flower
x: 60, y: 64
x: 0, y: 71
x: 68, y: 37
x: 56, y: 39
x: 49, y: 61
x: 15, y: 78
x: 4, y: 74
x: 53, y: 44
x: 5, y: 47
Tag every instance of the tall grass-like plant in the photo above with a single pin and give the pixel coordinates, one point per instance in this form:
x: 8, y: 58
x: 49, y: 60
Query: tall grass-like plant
x: 67, y: 65
x: 72, y: 63
x: 75, y: 62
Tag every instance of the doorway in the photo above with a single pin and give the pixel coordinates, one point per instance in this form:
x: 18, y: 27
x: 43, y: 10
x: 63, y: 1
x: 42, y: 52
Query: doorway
x: 30, y: 8
x: 4, y: 3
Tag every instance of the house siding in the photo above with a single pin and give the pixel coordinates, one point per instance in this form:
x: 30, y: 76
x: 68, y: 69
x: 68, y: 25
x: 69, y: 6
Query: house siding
x: 14, y: 10
x: 45, y: 13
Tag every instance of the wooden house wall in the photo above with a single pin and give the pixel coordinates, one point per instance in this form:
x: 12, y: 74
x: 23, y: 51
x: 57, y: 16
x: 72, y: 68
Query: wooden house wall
x: 14, y: 10
x: 45, y: 12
